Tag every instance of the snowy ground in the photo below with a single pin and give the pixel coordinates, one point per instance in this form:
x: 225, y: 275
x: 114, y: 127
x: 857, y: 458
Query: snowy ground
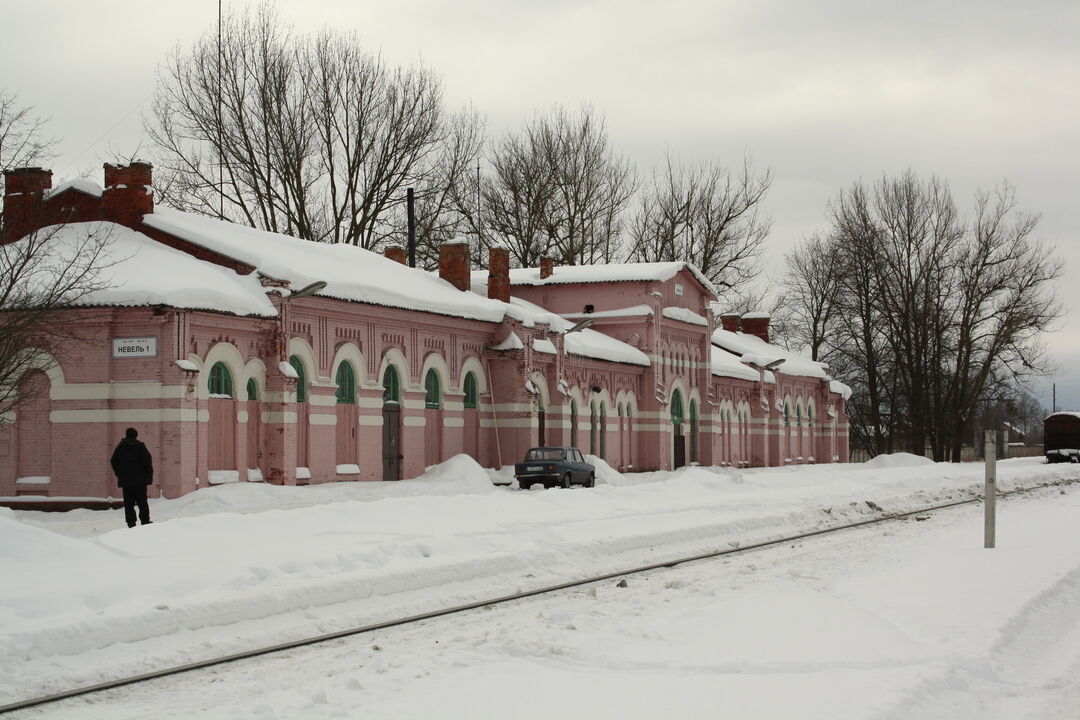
x: 912, y: 619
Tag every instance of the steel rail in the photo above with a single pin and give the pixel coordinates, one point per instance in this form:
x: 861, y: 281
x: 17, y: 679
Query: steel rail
x: 313, y: 640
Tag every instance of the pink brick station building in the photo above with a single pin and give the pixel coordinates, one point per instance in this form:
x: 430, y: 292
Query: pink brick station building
x: 243, y: 355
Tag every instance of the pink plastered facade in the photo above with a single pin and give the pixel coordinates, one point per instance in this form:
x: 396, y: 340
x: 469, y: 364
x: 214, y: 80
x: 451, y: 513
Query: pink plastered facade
x: 323, y: 389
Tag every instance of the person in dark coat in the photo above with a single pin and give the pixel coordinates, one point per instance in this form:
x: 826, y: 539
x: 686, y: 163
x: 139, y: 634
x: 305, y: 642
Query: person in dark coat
x: 134, y: 470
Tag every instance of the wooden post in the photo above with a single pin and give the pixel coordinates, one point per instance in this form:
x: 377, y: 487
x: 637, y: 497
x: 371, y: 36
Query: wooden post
x: 990, y: 490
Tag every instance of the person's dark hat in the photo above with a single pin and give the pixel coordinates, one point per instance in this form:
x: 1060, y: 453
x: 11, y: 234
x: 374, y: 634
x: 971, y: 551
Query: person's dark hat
x: 131, y: 433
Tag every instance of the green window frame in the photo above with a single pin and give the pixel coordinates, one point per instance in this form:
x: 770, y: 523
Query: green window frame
x: 391, y: 385
x: 471, y: 392
x: 301, y: 383
x: 432, y: 391
x: 346, y: 384
x: 676, y: 408
x: 220, y: 381
x: 252, y: 389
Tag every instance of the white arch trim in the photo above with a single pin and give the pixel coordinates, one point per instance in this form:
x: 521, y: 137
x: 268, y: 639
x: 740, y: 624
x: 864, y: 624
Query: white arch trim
x: 350, y: 353
x: 227, y: 354
x: 473, y: 365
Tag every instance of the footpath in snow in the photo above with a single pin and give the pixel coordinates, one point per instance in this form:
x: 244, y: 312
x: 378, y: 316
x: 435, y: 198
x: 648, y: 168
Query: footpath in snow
x: 224, y: 569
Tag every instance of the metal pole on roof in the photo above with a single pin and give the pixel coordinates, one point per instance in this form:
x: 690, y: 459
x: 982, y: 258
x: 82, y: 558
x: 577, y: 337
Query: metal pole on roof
x: 221, y: 152
x: 411, y: 208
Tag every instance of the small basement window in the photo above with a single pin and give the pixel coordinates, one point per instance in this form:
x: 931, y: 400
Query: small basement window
x: 589, y: 309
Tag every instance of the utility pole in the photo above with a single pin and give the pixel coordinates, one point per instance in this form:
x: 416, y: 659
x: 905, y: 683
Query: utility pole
x: 990, y: 491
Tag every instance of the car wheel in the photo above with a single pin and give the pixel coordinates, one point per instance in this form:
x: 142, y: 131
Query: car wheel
x: 591, y: 482
x: 525, y: 485
x: 566, y: 480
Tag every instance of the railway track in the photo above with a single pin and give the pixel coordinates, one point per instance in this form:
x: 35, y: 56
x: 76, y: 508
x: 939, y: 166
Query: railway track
x: 360, y: 630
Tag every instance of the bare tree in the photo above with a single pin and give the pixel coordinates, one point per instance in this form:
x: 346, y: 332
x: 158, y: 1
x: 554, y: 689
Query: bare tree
x: 707, y: 215
x: 42, y: 277
x: 811, y: 285
x: 22, y: 139
x: 934, y: 316
x: 559, y: 189
x: 317, y: 137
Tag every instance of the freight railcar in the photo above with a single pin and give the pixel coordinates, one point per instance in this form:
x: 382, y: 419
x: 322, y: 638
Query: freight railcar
x: 1062, y: 437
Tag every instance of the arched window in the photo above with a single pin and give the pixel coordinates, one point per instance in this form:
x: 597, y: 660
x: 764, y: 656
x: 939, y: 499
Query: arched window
x: 220, y: 382
x: 252, y: 389
x: 619, y: 409
x: 346, y: 384
x: 470, y: 390
x: 676, y: 408
x: 391, y: 386
x: 301, y: 384
x: 432, y: 393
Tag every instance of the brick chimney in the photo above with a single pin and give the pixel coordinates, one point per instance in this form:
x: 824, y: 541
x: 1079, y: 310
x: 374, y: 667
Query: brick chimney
x: 24, y: 190
x: 756, y: 324
x: 396, y: 253
x: 499, y: 274
x: 128, y: 194
x: 454, y: 264
x: 547, y: 267
x: 730, y: 322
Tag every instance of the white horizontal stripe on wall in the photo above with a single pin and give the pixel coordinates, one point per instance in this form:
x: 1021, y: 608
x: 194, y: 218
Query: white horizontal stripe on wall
x: 412, y: 421
x: 123, y: 415
x: 508, y: 423
x: 278, y: 417
x: 453, y: 405
x: 322, y: 400
x: 372, y: 420
x: 117, y: 391
x: 242, y: 417
x: 366, y: 401
x: 453, y: 422
x: 322, y: 419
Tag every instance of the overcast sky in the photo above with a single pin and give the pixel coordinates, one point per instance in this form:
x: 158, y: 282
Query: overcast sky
x: 822, y: 92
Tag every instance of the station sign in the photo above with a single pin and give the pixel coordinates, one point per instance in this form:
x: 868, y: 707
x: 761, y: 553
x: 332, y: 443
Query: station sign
x: 138, y: 347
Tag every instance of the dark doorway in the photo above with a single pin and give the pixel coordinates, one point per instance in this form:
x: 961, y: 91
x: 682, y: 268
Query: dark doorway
x: 541, y: 432
x: 680, y: 447
x: 391, y: 435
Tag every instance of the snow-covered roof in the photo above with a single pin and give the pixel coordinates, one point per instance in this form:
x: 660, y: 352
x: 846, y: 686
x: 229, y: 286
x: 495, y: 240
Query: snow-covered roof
x: 350, y: 272
x: 81, y: 184
x: 632, y: 311
x: 585, y: 343
x: 544, y: 345
x: 510, y: 342
x: 724, y: 364
x: 138, y: 271
x: 752, y: 348
x: 840, y: 389
x: 1063, y: 413
x: 685, y: 315
x: 612, y: 272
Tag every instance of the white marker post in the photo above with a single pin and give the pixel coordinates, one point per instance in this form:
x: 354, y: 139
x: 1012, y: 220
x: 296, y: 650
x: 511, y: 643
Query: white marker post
x: 990, y: 490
